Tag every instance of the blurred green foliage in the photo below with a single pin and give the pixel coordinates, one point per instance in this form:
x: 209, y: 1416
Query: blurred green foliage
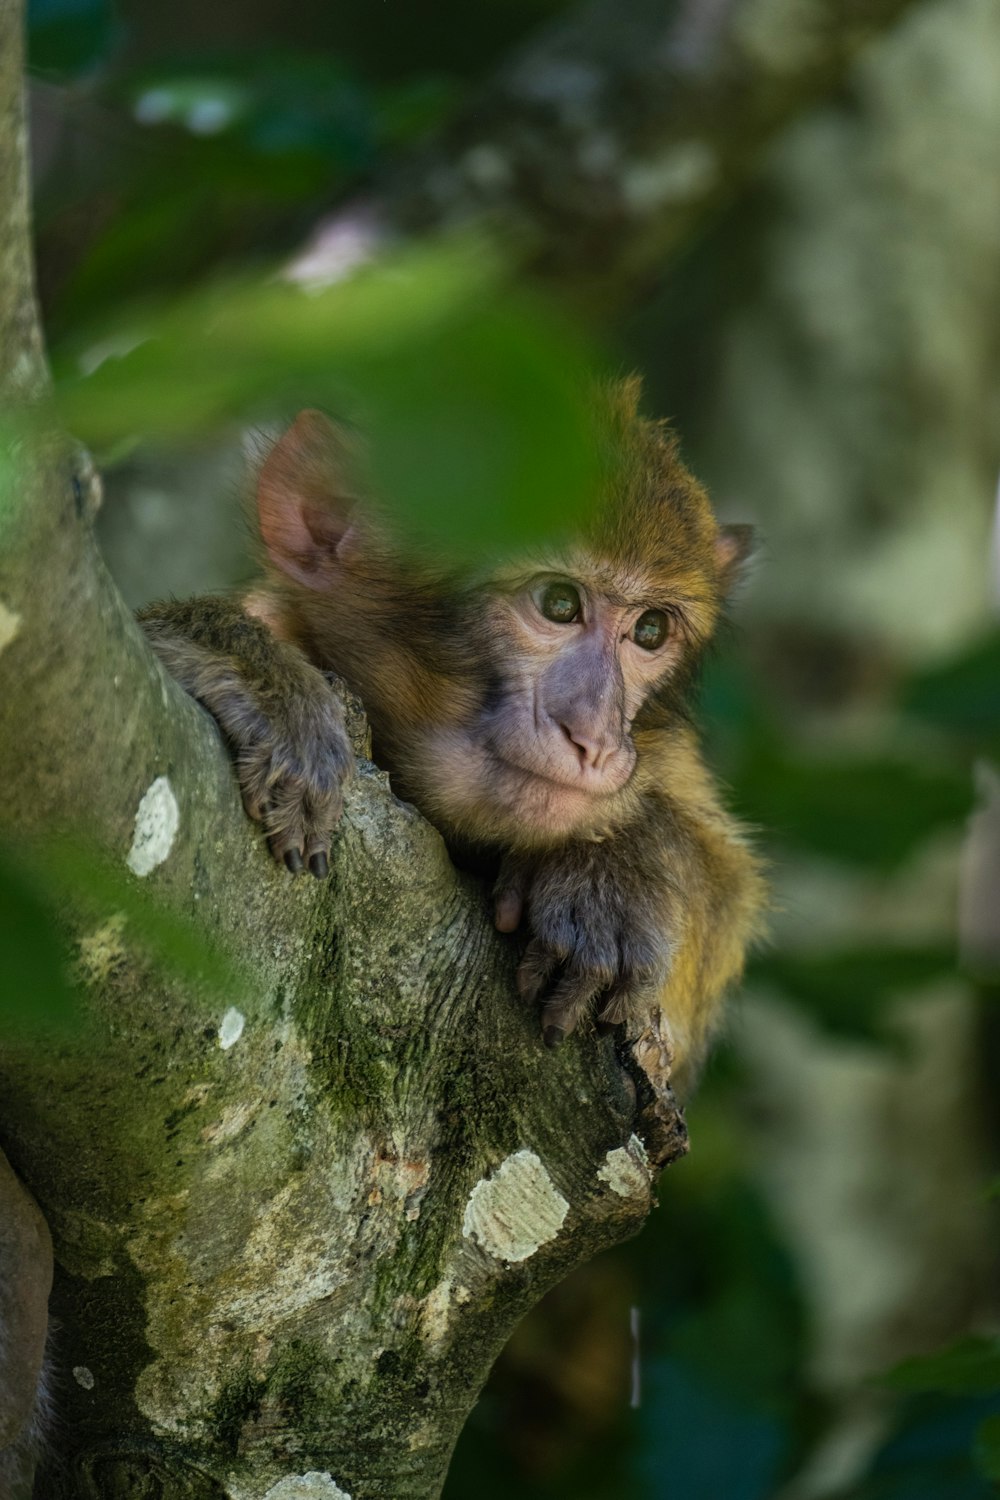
x: 70, y: 36
x: 474, y: 397
x: 69, y: 884
x: 34, y: 987
x: 850, y: 993
x: 961, y: 697
x: 969, y: 1368
x: 932, y: 1454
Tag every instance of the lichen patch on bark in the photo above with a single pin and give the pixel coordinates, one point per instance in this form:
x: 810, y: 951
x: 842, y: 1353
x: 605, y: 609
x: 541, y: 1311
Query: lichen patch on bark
x: 311, y: 1486
x: 516, y: 1211
x: 437, y: 1308
x: 10, y: 624
x: 156, y: 822
x: 231, y: 1028
x: 626, y: 1170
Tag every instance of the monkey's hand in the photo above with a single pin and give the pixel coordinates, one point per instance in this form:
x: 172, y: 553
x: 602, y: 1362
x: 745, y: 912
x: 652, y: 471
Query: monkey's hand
x: 599, y: 919
x: 283, y: 721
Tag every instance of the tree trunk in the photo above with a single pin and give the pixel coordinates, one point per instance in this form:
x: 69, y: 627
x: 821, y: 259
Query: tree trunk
x: 294, y: 1220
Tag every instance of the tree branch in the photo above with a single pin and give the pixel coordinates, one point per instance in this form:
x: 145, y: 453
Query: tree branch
x: 23, y: 375
x: 294, y: 1223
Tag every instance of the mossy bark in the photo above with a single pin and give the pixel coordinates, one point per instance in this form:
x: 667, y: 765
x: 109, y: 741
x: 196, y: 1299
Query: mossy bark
x: 283, y: 1245
x: 22, y: 362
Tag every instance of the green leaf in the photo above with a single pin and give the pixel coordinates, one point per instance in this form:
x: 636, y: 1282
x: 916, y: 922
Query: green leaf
x: 963, y: 695
x: 474, y: 394
x: 34, y: 988
x: 67, y: 36
x: 986, y: 1449
x: 86, y: 879
x: 848, y: 992
x: 69, y: 883
x: 970, y: 1367
x: 479, y: 435
x: 869, y: 812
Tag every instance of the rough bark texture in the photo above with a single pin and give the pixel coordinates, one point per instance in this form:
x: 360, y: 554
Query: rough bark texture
x: 293, y: 1225
x: 22, y: 362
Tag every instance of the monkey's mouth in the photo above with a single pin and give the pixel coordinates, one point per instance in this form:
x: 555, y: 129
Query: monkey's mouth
x: 582, y: 782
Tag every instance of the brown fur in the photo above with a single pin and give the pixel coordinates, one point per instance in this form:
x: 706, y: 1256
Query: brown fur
x: 563, y: 746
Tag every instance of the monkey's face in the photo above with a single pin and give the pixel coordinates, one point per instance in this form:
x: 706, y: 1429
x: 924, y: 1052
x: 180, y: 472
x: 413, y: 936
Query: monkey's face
x: 574, y: 649
x: 505, y: 710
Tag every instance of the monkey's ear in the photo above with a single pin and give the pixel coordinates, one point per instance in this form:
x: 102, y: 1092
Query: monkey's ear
x: 305, y: 497
x: 733, y: 546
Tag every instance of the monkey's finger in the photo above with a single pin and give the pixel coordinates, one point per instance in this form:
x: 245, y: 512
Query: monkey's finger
x: 535, y: 969
x: 317, y: 855
x: 624, y: 999
x: 284, y: 825
x: 571, y: 999
x: 254, y: 791
x: 508, y: 906
x: 508, y: 895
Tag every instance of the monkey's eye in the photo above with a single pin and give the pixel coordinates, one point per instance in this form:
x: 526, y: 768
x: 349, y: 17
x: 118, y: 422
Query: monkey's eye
x: 651, y: 629
x: 560, y: 602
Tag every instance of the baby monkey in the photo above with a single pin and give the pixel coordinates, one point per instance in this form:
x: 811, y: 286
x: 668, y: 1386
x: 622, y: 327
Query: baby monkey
x: 536, y: 714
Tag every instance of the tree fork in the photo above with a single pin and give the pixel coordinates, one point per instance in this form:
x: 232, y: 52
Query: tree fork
x: 294, y: 1222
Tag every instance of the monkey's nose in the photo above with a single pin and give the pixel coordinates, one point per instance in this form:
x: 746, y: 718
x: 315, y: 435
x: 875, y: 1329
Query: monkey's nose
x: 592, y: 750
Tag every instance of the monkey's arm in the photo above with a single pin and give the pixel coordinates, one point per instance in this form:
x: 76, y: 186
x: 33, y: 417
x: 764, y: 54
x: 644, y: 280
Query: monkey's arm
x: 279, y: 714
x: 661, y: 912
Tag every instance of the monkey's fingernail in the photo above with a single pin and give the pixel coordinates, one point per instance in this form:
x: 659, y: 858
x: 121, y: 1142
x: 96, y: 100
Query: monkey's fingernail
x: 552, y: 1036
x: 293, y: 860
x: 319, y: 865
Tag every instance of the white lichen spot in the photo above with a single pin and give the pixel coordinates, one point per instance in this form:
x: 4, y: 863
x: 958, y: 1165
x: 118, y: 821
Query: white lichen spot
x: 10, y: 624
x: 231, y: 1028
x: 156, y: 823
x: 684, y: 171
x: 435, y: 1311
x: 311, y: 1486
x: 516, y: 1211
x: 83, y: 1377
x: 626, y: 1170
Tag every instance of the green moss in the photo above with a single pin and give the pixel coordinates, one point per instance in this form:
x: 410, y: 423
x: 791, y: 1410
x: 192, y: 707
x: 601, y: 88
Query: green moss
x: 301, y: 1381
x: 418, y: 1261
x: 238, y: 1402
x: 397, y: 1373
x: 344, y: 1046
